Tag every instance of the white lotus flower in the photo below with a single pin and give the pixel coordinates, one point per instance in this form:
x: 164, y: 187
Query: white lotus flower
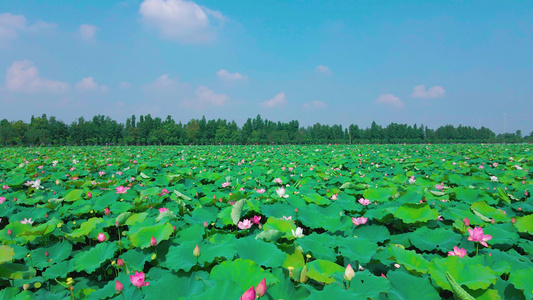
x: 26, y: 221
x: 493, y: 178
x: 281, y: 193
x: 298, y: 233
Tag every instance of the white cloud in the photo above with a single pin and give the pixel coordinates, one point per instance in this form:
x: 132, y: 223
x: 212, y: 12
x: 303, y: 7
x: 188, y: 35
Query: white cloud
x: 206, y: 98
x: 87, y: 32
x: 278, y: 100
x: 420, y: 91
x: 88, y: 84
x: 389, y: 99
x: 125, y: 85
x: 23, y: 76
x: 314, y: 104
x: 180, y: 20
x: 323, y: 69
x: 164, y: 82
x: 227, y: 76
x: 12, y: 25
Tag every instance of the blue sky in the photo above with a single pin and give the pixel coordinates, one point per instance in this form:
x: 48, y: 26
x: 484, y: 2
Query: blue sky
x: 332, y: 62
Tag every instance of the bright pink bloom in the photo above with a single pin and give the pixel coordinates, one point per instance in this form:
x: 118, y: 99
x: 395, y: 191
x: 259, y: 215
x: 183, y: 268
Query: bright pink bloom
x: 153, y: 241
x: 334, y: 197
x: 2, y: 200
x: 89, y: 195
x: 439, y: 187
x: 457, y: 252
x: 138, y: 279
x: 260, y: 191
x: 101, y: 173
x: 107, y: 211
x: 119, y: 286
x: 249, y: 294
x: 226, y: 184
x: 101, y: 237
x: 5, y: 187
x: 256, y: 219
x: 359, y: 221
x: 163, y: 192
x: 244, y: 224
x: 476, y: 235
x: 122, y: 189
x: 261, y: 288
x: 163, y: 209
x: 9, y: 232
x: 364, y: 201
x: 278, y: 180
x: 120, y: 262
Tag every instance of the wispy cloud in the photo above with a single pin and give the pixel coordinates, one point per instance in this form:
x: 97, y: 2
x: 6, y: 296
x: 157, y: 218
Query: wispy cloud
x: 227, y: 76
x: 277, y: 101
x: 323, y: 69
x: 206, y: 98
x: 88, y: 84
x: 12, y: 25
x: 389, y: 99
x: 420, y: 91
x: 314, y: 105
x: 23, y: 76
x: 87, y: 32
x: 180, y: 20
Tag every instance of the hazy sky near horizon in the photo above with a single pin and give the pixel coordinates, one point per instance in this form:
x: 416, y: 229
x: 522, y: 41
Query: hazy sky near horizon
x: 331, y: 62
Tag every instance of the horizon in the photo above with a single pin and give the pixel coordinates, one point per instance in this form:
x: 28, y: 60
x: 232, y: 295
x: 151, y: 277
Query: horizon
x: 342, y: 63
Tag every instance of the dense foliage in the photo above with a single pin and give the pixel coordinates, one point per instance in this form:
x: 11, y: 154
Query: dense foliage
x: 155, y: 131
x: 315, y: 222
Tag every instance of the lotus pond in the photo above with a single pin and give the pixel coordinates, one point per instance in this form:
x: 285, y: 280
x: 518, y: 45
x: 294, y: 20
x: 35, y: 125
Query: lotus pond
x: 315, y: 222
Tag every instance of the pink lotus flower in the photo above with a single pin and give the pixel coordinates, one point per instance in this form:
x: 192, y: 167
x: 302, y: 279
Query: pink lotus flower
x: 163, y: 192
x: 226, y: 184
x: 359, y: 221
x: 138, y: 279
x: 119, y: 286
x: 256, y: 219
x: 120, y: 262
x: 101, y: 173
x: 2, y: 200
x: 153, y: 241
x: 278, y: 180
x: 260, y: 191
x: 364, y: 201
x: 476, y: 235
x: 334, y: 197
x: 249, y: 294
x: 26, y: 221
x: 439, y: 187
x: 244, y: 224
x: 261, y: 288
x: 107, y: 211
x: 349, y: 273
x: 5, y: 187
x: 287, y: 218
x: 457, y: 252
x: 101, y: 237
x: 163, y: 209
x: 89, y: 195
x: 466, y: 221
x: 122, y: 189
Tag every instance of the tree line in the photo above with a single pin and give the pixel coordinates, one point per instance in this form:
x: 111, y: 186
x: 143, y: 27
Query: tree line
x: 102, y: 130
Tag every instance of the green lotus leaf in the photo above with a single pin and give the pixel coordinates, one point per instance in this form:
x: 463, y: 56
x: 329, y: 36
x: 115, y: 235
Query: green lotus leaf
x: 410, y: 197
x: 6, y: 254
x: 523, y: 280
x: 283, y: 226
x: 295, y: 258
x: 473, y: 276
x: 16, y: 271
x: 323, y: 270
x: 402, y: 287
x: 429, y: 239
x: 490, y: 212
x: 136, y: 258
x: 285, y: 288
x: 57, y: 252
x: 318, y: 245
x: 222, y: 289
x: 504, y: 234
x: 143, y: 236
x: 236, y: 211
x: 74, y: 195
x: 378, y: 194
x: 270, y: 235
x: 182, y: 285
x: 263, y: 253
x: 412, y: 213
x: 93, y: 258
x: 372, y: 232
x: 525, y: 224
x: 412, y: 261
x: 357, y: 249
x: 85, y: 229
x: 136, y: 218
x: 244, y: 272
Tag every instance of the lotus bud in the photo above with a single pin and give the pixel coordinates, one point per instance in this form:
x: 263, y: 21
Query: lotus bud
x: 261, y: 288
x: 101, y: 237
x: 46, y: 253
x: 196, y: 251
x: 153, y: 241
x: 249, y: 294
x: 303, y: 275
x: 9, y: 232
x: 89, y: 195
x: 120, y: 262
x: 349, y: 273
x: 205, y: 224
x: 107, y: 211
x: 25, y: 286
x: 492, y: 221
x: 466, y: 221
x: 513, y: 220
x: 119, y: 286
